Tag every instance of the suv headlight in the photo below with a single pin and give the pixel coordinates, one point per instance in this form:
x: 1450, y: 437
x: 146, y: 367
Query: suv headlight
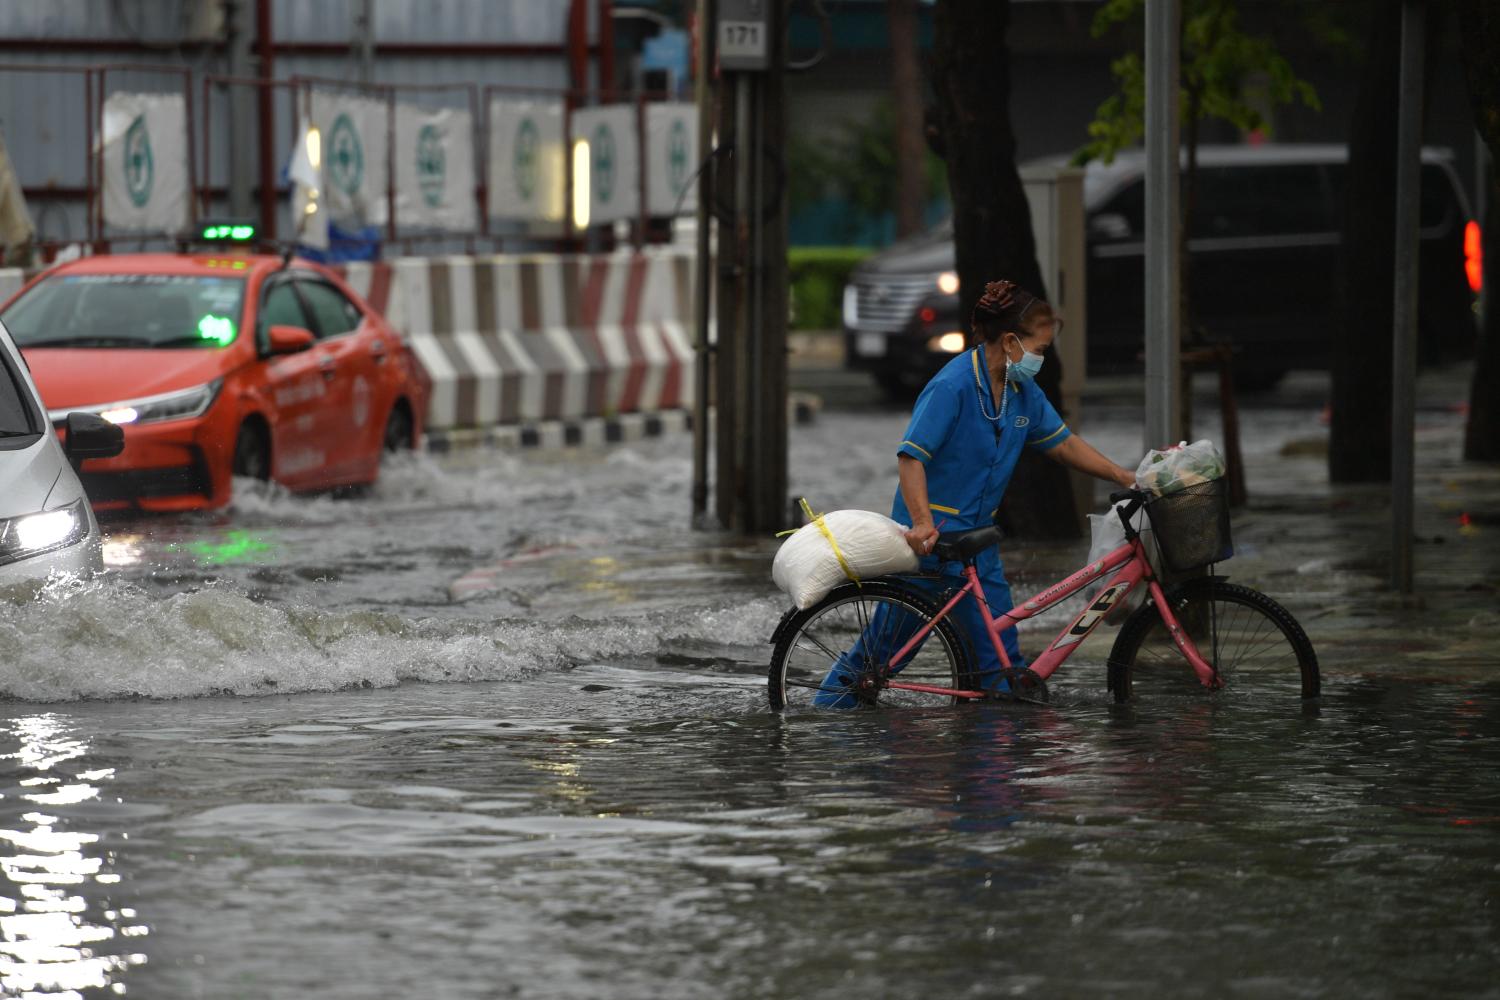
x: 184, y: 404
x: 32, y: 534
x: 851, y: 306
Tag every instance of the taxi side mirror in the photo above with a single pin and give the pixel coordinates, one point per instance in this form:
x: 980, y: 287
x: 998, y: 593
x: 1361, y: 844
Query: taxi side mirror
x: 91, y: 436
x: 290, y: 340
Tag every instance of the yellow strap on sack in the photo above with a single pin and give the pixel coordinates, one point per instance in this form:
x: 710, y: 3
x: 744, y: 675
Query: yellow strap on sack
x: 823, y: 527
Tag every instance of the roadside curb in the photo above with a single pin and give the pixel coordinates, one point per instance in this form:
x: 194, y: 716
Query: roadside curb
x: 802, y: 409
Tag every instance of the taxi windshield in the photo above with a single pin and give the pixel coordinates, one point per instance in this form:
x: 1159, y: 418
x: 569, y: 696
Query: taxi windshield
x: 128, y: 310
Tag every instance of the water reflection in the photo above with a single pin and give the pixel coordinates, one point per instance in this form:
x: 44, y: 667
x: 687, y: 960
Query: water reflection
x: 59, y: 932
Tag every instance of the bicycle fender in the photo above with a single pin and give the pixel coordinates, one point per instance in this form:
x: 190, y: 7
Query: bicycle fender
x: 786, y: 619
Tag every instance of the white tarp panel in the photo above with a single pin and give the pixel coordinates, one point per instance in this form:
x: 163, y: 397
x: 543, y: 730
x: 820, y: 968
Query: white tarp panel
x: 145, y: 163
x: 16, y: 229
x: 435, y: 169
x: 671, y: 152
x: 527, y: 170
x: 614, y: 161
x: 354, y: 133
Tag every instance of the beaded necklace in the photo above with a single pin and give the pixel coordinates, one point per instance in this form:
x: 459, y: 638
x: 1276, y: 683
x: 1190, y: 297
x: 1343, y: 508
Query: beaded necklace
x: 1004, y: 395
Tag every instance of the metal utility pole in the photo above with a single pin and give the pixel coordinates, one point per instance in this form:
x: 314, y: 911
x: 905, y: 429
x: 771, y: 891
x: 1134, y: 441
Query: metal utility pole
x: 1163, y: 217
x: 363, y: 46
x: 240, y: 21
x: 265, y: 44
x: 1404, y: 310
x: 751, y: 381
x: 703, y: 274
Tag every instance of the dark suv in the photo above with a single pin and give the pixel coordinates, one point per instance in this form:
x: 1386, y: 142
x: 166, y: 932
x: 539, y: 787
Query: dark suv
x: 1264, y: 248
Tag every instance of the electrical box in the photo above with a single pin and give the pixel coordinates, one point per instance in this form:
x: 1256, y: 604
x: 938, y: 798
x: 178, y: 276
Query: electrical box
x: 744, y: 37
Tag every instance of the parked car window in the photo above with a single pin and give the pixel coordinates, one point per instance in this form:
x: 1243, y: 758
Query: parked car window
x: 333, y: 313
x: 1437, y: 197
x: 128, y: 310
x: 1130, y: 204
x: 1263, y: 200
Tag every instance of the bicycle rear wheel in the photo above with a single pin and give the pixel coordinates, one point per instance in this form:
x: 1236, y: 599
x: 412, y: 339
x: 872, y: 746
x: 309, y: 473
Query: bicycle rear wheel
x: 835, y: 654
x: 1249, y: 639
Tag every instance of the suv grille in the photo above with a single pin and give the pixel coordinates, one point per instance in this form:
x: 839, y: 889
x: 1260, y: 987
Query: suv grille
x: 886, y: 304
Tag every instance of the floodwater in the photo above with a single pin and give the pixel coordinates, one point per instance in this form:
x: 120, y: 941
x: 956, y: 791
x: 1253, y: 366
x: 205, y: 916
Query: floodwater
x: 270, y: 756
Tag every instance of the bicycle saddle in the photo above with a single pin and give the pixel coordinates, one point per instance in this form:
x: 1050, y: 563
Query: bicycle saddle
x: 962, y: 546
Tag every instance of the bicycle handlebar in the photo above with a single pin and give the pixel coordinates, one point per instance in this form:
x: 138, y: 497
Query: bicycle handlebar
x: 1134, y: 500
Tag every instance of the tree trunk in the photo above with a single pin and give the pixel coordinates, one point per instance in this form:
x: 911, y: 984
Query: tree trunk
x: 992, y: 220
x: 1359, y: 446
x: 906, y: 90
x: 1479, y: 26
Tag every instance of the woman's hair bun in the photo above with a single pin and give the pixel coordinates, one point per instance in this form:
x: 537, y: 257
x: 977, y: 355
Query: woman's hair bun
x: 998, y: 297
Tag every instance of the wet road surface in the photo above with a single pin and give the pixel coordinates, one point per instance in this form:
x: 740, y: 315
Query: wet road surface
x: 270, y: 756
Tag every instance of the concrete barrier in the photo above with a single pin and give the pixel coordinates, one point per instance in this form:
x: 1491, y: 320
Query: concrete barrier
x: 537, y: 349
x: 525, y: 339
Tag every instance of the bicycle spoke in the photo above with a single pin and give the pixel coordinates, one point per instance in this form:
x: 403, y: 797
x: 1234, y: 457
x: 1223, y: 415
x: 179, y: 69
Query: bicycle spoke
x: 1245, y: 636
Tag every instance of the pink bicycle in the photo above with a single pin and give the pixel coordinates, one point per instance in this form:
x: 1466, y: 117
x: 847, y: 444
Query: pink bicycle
x: 889, y: 641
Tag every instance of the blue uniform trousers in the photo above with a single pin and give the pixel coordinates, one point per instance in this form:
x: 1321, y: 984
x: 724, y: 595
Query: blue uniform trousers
x: 890, y: 627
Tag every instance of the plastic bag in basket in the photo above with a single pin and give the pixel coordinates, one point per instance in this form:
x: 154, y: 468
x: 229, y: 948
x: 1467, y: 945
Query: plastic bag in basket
x: 1178, y: 467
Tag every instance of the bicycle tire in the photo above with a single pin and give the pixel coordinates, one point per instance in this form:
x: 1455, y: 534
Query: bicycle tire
x: 1258, y: 641
x: 808, y: 643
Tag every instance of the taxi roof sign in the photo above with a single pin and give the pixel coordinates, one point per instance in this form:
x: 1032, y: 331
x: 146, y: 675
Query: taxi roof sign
x: 227, y: 232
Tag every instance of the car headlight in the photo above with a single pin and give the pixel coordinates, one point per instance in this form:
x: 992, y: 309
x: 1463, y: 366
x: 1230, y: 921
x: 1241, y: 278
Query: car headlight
x: 184, y: 404
x: 947, y: 282
x: 32, y: 534
x: 851, y: 306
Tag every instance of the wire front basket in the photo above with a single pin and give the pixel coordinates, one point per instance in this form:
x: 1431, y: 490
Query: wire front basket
x: 1192, y: 525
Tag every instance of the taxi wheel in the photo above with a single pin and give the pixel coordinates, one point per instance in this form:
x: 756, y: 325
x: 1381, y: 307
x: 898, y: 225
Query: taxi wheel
x: 252, y: 453
x: 397, y: 431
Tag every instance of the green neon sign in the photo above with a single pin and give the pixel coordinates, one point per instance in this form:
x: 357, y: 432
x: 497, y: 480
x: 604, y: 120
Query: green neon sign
x: 219, y: 329
x: 232, y: 233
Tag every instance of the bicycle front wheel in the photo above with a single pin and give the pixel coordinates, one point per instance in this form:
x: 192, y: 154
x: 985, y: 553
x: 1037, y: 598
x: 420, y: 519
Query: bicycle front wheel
x: 1249, y: 639
x: 837, y: 653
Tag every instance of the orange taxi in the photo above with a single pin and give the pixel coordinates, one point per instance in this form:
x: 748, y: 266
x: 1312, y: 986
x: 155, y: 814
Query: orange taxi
x: 218, y: 365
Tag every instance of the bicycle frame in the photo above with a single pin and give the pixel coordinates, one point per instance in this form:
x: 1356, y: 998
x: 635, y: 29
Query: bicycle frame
x: 1129, y: 559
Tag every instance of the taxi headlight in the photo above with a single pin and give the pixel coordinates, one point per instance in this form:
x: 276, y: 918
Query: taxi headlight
x: 184, y: 404
x: 32, y: 534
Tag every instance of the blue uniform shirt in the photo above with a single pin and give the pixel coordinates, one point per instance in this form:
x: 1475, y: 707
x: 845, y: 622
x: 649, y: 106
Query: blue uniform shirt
x: 969, y: 458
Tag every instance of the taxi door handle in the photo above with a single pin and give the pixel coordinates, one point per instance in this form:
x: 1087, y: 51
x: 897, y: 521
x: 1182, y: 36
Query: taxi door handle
x: 330, y: 367
x: 377, y: 351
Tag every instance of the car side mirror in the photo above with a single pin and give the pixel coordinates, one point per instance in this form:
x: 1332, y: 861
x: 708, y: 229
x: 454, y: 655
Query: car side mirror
x: 290, y: 339
x: 91, y: 436
x: 1110, y: 226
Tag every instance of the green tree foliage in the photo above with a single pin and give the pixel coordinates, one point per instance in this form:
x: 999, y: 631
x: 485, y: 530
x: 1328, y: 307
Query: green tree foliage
x: 856, y: 164
x: 1226, y: 75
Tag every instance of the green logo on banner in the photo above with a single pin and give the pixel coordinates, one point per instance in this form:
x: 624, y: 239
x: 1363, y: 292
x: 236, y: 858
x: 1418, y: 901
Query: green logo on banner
x: 677, y: 154
x: 139, y: 168
x: 527, y: 141
x: 604, y: 162
x: 346, y: 157
x: 431, y: 165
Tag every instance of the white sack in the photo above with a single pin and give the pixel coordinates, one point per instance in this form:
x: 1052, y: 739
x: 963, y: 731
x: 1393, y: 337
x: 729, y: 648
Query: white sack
x: 1178, y: 467
x: 806, y: 567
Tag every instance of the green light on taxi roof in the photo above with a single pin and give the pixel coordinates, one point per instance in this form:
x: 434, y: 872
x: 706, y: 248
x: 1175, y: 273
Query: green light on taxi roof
x: 219, y: 329
x: 227, y: 231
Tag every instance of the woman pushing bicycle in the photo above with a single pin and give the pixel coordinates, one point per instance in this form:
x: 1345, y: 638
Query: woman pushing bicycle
x: 956, y: 458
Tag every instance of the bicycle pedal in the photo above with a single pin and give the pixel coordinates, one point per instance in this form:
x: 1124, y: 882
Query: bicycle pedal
x: 1023, y: 686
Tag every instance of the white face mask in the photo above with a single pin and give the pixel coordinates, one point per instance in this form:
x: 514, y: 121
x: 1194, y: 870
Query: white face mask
x: 1027, y: 368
